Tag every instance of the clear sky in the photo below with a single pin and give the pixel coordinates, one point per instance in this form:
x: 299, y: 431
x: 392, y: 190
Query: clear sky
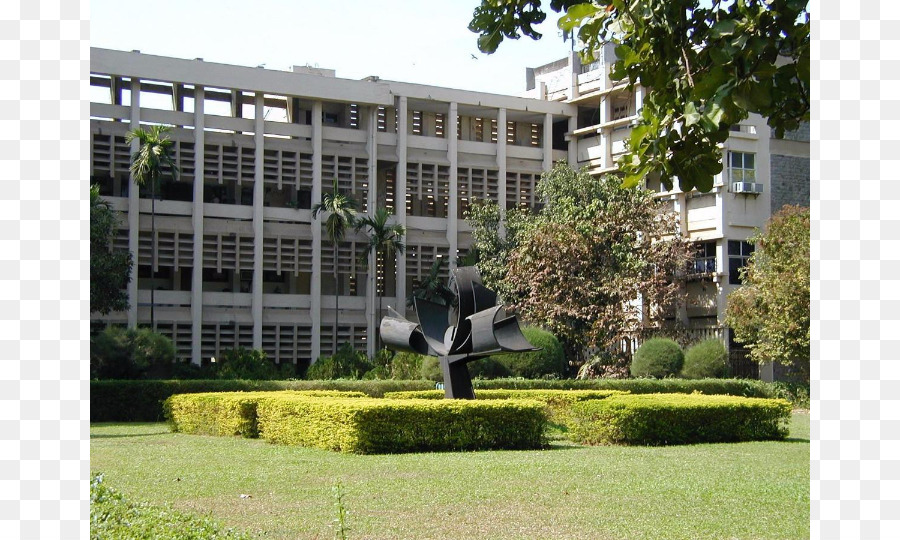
x: 424, y: 41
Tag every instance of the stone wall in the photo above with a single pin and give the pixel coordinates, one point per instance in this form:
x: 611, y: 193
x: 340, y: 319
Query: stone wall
x: 790, y: 181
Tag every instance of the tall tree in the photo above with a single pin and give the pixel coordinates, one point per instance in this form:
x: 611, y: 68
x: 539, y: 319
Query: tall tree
x: 431, y: 287
x: 707, y: 65
x: 596, y: 260
x: 493, y: 247
x: 110, y: 269
x: 385, y: 239
x: 341, y: 211
x: 770, y: 312
x: 152, y: 160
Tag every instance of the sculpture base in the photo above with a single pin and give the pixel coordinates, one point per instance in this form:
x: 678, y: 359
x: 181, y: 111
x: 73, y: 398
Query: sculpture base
x: 457, y: 381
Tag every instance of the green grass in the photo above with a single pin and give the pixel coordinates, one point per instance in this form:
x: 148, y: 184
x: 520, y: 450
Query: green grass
x: 740, y: 490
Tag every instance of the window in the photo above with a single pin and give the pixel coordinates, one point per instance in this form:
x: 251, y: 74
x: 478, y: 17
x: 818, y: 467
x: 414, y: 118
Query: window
x: 417, y: 123
x: 741, y: 167
x: 738, y: 256
x: 439, y: 125
x: 704, y: 261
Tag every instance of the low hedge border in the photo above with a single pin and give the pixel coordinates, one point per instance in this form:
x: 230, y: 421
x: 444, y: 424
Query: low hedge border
x: 229, y: 413
x: 141, y: 401
x: 558, y: 402
x: 375, y: 426
x: 664, y: 419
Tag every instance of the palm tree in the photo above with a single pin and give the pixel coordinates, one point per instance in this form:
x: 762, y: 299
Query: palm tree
x: 148, y: 164
x: 343, y: 216
x: 384, y: 237
x: 432, y: 287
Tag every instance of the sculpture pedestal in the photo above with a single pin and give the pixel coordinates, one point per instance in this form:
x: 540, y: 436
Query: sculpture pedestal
x: 457, y: 381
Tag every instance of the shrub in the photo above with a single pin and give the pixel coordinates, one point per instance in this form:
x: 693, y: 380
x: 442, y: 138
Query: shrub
x: 558, y: 402
x: 657, y: 419
x: 113, y: 516
x: 705, y: 360
x: 487, y: 368
x: 406, y: 366
x: 249, y: 364
x: 142, y: 401
x: 347, y: 363
x: 796, y: 393
x: 369, y: 426
x: 657, y: 357
x: 131, y: 354
x: 550, y: 361
x: 431, y: 369
x: 229, y: 413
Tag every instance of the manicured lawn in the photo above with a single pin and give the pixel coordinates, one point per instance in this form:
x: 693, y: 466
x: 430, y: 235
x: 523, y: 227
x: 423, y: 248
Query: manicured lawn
x: 742, y: 490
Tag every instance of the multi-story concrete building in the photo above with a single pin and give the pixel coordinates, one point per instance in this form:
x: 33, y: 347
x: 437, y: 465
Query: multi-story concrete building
x: 241, y: 262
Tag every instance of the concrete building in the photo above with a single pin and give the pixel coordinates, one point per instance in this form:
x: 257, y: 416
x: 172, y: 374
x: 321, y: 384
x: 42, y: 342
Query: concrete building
x: 240, y: 262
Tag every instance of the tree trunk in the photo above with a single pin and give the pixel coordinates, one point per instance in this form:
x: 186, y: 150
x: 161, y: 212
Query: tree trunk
x: 335, y: 335
x: 152, y: 252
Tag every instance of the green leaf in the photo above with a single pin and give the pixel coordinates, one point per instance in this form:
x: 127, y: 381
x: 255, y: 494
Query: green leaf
x: 723, y: 28
x: 719, y: 56
x: 576, y: 14
x: 691, y: 115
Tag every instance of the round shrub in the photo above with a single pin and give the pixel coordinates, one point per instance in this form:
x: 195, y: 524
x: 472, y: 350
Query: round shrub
x: 487, y: 368
x: 657, y: 357
x: 705, y: 360
x: 549, y: 362
x: 407, y: 366
x: 431, y: 369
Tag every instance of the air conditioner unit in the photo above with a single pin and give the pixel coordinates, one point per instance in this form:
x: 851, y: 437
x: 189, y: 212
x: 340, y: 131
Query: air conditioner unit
x: 746, y: 187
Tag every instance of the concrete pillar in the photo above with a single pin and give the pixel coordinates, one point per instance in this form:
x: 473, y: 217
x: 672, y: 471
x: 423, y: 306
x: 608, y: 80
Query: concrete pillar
x: 574, y: 68
x: 372, y: 202
x: 573, y: 142
x: 197, y: 221
x: 134, y: 209
x: 453, y: 205
x: 547, y: 143
x: 400, y: 198
x: 256, y: 301
x: 501, y: 164
x: 315, y: 286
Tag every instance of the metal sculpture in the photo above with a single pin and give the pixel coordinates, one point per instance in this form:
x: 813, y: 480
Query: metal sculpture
x: 470, y: 327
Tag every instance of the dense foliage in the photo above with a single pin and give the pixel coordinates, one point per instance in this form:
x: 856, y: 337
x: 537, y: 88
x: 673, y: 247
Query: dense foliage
x: 658, y: 419
x: 114, y: 516
x: 348, y: 363
x: 770, y: 313
x: 657, y: 357
x: 117, y: 353
x: 251, y: 364
x: 110, y: 269
x: 705, y: 360
x: 707, y: 65
x: 579, y: 265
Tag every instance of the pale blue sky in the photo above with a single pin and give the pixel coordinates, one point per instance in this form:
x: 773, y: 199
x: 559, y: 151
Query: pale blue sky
x: 425, y: 41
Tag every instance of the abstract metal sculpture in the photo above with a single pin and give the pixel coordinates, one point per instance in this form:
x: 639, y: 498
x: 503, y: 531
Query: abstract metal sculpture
x: 471, y: 327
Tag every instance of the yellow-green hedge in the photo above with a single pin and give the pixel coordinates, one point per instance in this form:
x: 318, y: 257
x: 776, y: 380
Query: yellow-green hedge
x: 372, y: 426
x: 558, y: 401
x: 658, y: 419
x: 229, y: 413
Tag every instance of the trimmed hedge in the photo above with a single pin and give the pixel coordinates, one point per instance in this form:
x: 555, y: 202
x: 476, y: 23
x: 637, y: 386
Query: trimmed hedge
x: 371, y: 426
x: 142, y: 401
x: 229, y: 413
x: 558, y: 402
x: 662, y: 419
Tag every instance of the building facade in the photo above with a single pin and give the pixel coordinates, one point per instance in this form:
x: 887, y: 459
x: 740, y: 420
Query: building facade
x: 241, y: 262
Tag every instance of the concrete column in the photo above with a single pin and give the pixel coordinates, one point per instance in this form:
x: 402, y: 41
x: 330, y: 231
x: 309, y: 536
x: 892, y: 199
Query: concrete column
x: 315, y: 286
x: 453, y: 205
x: 574, y: 68
x: 400, y: 198
x: 134, y: 209
x: 548, y: 142
x: 573, y: 142
x: 197, y: 221
x: 256, y: 301
x: 501, y: 163
x: 372, y: 202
